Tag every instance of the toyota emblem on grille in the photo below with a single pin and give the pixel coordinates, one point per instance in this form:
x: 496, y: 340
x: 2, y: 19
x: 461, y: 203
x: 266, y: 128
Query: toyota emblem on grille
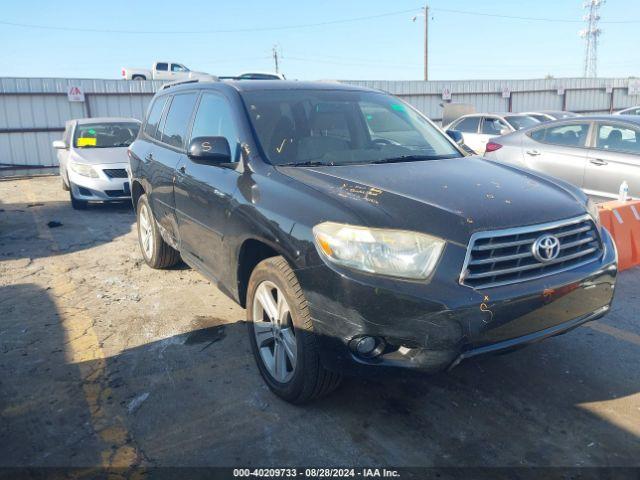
x: 546, y: 248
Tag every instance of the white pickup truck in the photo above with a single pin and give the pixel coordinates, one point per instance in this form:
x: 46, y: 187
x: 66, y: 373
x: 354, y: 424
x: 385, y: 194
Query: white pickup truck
x: 164, y: 71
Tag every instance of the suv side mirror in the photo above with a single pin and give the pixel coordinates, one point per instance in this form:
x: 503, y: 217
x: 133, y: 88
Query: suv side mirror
x: 456, y: 136
x: 209, y: 150
x: 59, y: 145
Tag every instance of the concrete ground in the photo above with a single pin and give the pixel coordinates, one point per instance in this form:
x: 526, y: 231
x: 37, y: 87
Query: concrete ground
x: 104, y: 361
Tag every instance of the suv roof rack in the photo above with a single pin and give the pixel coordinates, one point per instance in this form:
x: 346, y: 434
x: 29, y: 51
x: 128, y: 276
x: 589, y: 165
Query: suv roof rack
x: 191, y: 80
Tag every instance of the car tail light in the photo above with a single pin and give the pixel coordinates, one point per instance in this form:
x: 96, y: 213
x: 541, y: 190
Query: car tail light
x: 123, y: 72
x: 493, y: 146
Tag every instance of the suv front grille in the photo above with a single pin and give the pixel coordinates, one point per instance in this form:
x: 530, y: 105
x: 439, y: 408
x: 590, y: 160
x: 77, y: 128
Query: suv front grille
x: 115, y: 172
x: 502, y: 257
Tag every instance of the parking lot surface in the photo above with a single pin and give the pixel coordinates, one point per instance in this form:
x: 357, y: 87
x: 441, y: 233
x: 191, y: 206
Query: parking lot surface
x: 104, y: 361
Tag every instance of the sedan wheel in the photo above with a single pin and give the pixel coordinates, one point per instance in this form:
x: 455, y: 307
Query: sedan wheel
x: 274, y: 332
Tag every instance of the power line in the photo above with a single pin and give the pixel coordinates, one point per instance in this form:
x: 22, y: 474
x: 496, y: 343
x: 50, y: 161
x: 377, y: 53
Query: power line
x: 298, y: 26
x: 200, y: 32
x: 533, y: 19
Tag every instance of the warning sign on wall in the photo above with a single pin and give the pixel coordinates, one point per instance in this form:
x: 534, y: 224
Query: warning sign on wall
x: 75, y: 94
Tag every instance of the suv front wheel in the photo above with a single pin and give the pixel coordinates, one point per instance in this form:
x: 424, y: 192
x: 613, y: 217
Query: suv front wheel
x: 156, y: 252
x: 281, y: 334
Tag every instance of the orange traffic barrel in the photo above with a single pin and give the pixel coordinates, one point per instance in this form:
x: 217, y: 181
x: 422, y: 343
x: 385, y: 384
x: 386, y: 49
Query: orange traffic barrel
x: 622, y: 219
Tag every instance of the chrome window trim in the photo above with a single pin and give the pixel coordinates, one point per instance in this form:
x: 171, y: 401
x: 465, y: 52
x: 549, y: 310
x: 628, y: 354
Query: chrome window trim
x: 520, y: 230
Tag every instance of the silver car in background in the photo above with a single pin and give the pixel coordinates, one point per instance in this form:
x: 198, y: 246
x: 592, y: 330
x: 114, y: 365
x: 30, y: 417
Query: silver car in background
x: 629, y: 111
x: 94, y: 164
x: 550, y: 115
x: 596, y: 153
x: 478, y: 128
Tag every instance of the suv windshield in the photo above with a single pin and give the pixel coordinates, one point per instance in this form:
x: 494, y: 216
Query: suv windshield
x: 105, y: 135
x: 335, y: 127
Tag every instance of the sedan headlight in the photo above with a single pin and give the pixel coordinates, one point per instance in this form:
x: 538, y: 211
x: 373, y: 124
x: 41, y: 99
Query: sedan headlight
x: 592, y: 208
x: 396, y: 253
x: 84, y: 170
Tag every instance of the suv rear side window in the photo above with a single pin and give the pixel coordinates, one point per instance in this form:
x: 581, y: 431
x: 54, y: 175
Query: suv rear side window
x: 214, y: 119
x: 153, y: 118
x: 174, y: 130
x: 468, y: 125
x: 568, y: 134
x: 618, y: 138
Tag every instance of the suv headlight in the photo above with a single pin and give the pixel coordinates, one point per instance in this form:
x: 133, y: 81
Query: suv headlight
x: 397, y: 253
x: 84, y: 170
x: 592, y: 208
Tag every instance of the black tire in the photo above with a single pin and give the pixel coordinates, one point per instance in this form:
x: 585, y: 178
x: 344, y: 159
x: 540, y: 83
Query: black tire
x: 161, y: 254
x: 310, y: 379
x: 77, y: 204
x: 138, y: 77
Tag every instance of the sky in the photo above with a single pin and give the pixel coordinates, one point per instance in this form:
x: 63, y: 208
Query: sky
x: 315, y: 40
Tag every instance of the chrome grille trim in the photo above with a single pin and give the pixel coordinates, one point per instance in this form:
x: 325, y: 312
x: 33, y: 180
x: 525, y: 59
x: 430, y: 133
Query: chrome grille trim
x: 504, y: 257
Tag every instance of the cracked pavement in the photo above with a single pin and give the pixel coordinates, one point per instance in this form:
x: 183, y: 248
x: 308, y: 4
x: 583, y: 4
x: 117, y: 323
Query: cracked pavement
x: 105, y: 362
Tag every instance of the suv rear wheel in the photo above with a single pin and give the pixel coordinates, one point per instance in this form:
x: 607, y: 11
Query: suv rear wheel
x: 281, y: 334
x: 156, y: 252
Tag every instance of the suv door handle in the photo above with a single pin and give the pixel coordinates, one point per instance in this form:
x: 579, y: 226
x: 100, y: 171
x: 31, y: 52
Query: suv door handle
x: 598, y: 161
x: 182, y: 169
x: 533, y: 153
x: 148, y: 157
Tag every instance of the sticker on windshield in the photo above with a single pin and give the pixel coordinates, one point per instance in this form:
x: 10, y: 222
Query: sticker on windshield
x: 398, y: 107
x: 87, y: 142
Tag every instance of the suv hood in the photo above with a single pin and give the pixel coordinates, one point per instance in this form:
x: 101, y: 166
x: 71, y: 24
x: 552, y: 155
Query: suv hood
x: 99, y: 156
x: 450, y: 198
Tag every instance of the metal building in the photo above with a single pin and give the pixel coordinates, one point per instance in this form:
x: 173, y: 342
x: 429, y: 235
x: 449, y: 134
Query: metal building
x: 33, y: 110
x: 580, y: 95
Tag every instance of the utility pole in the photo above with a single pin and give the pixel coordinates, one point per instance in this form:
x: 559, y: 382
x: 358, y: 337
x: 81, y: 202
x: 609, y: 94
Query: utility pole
x: 275, y: 58
x: 426, y: 42
x: 426, y: 38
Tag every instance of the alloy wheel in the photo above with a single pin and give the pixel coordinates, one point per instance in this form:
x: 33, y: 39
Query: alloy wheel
x: 274, y: 332
x: 146, y: 231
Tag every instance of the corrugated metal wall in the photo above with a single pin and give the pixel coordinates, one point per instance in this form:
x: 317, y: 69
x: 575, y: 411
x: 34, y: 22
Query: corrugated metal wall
x: 33, y: 110
x: 582, y: 95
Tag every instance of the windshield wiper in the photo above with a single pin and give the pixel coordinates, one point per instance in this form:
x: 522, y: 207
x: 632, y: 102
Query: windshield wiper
x: 308, y: 164
x: 410, y: 158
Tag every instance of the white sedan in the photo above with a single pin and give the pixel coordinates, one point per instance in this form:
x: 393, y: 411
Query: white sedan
x: 94, y: 165
x: 478, y: 128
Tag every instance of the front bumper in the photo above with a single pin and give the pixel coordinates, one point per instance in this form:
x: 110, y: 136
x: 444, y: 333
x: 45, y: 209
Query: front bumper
x: 434, y: 326
x: 103, y: 188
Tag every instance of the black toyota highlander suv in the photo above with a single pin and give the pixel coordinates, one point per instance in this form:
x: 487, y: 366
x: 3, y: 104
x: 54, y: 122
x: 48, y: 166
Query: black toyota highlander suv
x: 356, y: 234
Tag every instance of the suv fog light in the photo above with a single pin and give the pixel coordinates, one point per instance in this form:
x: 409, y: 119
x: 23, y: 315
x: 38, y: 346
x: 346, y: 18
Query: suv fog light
x: 367, y: 347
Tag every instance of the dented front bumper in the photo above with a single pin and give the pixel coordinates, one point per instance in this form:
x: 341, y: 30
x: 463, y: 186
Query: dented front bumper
x: 433, y: 326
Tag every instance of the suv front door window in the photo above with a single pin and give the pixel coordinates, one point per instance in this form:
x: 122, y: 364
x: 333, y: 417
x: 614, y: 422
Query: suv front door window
x: 202, y: 218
